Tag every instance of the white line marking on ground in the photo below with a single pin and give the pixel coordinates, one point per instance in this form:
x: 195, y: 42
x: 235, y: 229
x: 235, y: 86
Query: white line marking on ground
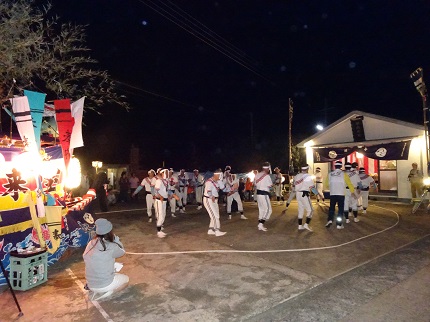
x: 114, y: 211
x: 95, y: 303
x: 274, y: 250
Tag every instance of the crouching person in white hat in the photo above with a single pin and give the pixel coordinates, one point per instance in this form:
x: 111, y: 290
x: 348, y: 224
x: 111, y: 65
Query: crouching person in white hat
x: 99, y: 258
x: 304, y: 183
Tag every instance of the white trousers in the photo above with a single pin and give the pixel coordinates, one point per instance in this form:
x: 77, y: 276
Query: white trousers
x: 350, y: 201
x: 149, y: 203
x: 278, y: 190
x: 234, y: 196
x: 264, y: 207
x: 199, y: 195
x: 160, y: 211
x: 183, y: 195
x: 319, y: 187
x: 365, y: 199
x: 291, y: 197
x: 119, y: 281
x: 213, y: 211
x: 304, y: 203
x: 172, y: 202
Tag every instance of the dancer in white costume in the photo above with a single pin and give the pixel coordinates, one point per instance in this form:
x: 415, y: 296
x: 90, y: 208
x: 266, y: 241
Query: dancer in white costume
x: 174, y: 193
x: 263, y: 184
x: 210, y: 201
x: 232, y: 186
x: 366, y: 182
x: 161, y: 197
x: 319, y: 179
x: 183, y: 187
x: 198, y: 182
x: 351, y: 197
x: 278, y: 186
x: 148, y: 183
x: 304, y: 183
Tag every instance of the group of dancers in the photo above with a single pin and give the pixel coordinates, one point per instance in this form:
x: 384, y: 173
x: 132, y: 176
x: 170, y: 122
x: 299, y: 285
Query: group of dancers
x: 348, y: 189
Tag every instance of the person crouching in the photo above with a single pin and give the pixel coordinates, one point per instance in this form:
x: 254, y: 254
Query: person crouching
x: 99, y: 258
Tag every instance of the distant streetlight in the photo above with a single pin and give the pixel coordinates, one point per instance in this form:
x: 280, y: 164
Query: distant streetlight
x: 319, y: 127
x: 97, y: 165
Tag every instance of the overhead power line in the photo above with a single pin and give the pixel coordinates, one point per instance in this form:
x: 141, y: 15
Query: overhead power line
x: 210, y: 41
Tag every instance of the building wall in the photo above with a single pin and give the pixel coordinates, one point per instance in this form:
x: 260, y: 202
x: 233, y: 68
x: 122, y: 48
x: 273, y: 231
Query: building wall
x: 417, y: 153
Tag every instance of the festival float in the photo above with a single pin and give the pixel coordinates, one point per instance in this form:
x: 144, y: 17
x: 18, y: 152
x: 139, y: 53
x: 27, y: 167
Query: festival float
x: 37, y: 210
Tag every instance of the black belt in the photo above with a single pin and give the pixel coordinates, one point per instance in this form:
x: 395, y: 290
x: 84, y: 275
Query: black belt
x: 263, y: 193
x: 210, y: 197
x: 365, y: 189
x: 319, y: 181
x: 164, y: 199
x: 305, y: 193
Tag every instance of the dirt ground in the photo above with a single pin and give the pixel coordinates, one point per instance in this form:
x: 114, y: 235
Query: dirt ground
x: 279, y: 275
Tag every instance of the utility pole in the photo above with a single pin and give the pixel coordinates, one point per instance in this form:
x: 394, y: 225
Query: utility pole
x: 290, y: 141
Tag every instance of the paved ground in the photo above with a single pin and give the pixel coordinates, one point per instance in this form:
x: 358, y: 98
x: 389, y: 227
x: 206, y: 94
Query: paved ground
x: 374, y: 270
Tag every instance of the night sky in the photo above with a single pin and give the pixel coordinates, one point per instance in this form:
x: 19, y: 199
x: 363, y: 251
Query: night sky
x: 330, y: 57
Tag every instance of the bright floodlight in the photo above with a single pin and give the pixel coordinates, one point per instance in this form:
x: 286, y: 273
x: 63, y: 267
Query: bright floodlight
x: 319, y: 127
x: 426, y: 181
x: 73, y: 179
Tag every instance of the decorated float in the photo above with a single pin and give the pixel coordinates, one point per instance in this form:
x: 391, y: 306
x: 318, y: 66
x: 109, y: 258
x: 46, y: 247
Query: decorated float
x: 37, y: 210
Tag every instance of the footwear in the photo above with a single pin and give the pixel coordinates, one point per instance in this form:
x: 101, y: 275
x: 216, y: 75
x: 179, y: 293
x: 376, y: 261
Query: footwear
x: 243, y: 217
x: 261, y: 227
x: 150, y: 219
x: 219, y: 233
x: 328, y: 224
x: 229, y: 216
x: 323, y: 201
x: 364, y: 211
x: 286, y: 205
x: 199, y: 207
x: 103, y: 295
x: 356, y: 219
x: 160, y: 234
x: 173, y: 215
x: 182, y: 211
x: 347, y: 221
x: 340, y: 227
x: 211, y: 232
x: 301, y: 227
x: 318, y: 200
x: 306, y: 226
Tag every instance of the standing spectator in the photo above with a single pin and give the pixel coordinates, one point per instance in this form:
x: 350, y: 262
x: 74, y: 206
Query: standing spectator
x: 123, y: 187
x: 242, y: 189
x: 248, y: 189
x: 99, y: 185
x: 415, y: 177
x: 134, y: 183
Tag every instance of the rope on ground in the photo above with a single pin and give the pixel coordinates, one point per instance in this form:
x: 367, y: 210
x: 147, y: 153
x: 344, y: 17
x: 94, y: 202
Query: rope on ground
x: 274, y: 250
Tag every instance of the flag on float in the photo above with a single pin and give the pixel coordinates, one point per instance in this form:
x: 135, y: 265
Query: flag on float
x: 24, y: 123
x: 36, y: 101
x: 49, y: 110
x: 76, y: 139
x: 64, y: 126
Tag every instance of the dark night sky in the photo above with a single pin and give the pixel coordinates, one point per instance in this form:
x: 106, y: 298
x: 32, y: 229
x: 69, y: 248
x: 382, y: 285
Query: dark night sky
x: 342, y: 55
